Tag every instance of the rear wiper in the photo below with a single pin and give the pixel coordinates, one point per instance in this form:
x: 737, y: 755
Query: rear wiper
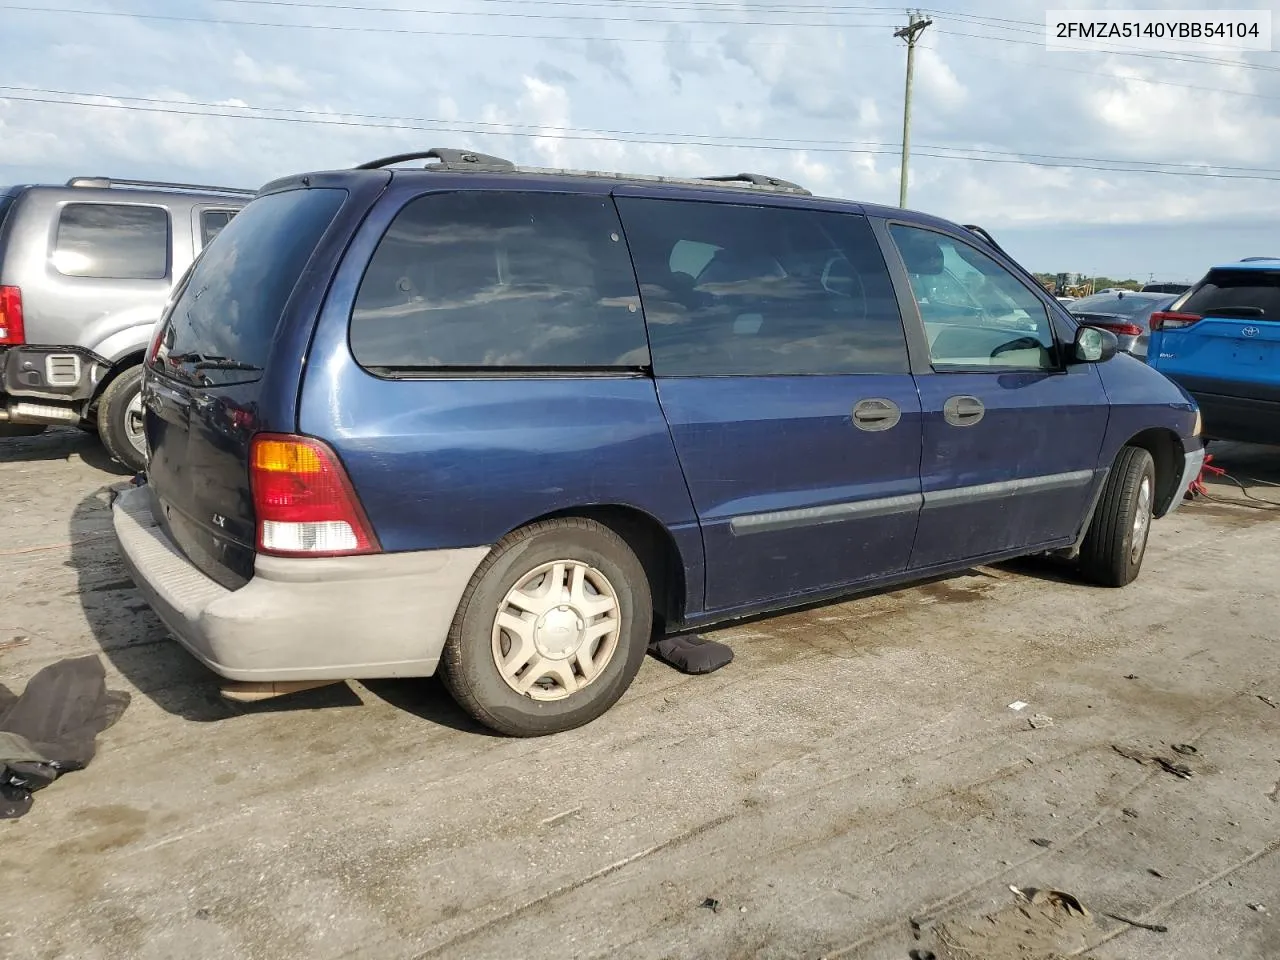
x: 210, y: 361
x: 193, y: 357
x: 222, y: 363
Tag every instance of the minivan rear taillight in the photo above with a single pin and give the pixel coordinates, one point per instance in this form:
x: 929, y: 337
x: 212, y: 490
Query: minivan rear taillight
x: 12, y: 332
x: 1168, y: 320
x: 304, y: 501
x: 157, y: 335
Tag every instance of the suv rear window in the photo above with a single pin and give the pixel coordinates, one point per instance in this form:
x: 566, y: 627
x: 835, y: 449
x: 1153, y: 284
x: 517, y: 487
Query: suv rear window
x: 224, y: 321
x: 112, y: 241
x: 1242, y: 293
x: 6, y: 202
x: 500, y: 281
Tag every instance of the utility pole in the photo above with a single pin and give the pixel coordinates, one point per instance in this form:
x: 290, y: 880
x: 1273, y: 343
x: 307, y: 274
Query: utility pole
x: 909, y: 33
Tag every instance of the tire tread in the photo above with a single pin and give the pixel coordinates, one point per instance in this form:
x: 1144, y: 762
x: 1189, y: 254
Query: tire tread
x: 451, y: 670
x: 118, y: 446
x: 1104, y: 559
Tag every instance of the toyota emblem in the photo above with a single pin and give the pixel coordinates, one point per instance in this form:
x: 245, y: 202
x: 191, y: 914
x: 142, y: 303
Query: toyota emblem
x: 1250, y: 331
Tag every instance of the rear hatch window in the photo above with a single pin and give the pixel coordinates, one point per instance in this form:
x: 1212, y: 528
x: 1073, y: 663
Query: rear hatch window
x: 222, y: 326
x: 1249, y: 294
x: 201, y: 410
x: 5, y: 203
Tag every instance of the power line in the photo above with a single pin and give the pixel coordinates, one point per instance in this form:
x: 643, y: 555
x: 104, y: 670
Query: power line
x: 1167, y: 57
x: 716, y: 9
x: 1128, y: 79
x: 410, y: 31
x: 634, y: 136
x: 1203, y: 171
x: 353, y: 28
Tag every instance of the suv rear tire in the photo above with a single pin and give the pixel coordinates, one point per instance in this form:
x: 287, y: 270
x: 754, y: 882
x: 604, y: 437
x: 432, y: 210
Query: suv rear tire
x: 1112, y: 552
x: 120, y: 419
x: 551, y: 630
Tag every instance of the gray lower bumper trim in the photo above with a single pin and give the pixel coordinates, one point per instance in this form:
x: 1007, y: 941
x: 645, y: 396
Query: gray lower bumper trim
x: 345, y: 618
x: 1192, y: 464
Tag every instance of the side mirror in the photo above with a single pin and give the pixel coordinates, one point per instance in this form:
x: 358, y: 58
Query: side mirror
x: 1095, y: 346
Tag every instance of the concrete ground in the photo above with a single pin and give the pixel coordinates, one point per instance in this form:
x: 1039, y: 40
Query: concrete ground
x: 855, y: 784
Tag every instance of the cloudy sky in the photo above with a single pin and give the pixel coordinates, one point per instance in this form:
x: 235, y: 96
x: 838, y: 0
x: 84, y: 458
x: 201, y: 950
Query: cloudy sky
x: 240, y: 91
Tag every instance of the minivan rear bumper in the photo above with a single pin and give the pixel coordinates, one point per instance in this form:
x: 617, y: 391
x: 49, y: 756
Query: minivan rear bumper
x: 339, y: 618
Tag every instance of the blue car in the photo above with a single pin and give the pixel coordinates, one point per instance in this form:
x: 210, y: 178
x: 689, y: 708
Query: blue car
x: 1221, y: 341
x: 512, y: 424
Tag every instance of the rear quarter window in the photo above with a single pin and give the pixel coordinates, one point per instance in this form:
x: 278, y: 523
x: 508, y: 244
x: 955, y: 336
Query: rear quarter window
x: 1242, y: 293
x: 212, y: 223
x: 112, y: 241
x: 225, y: 317
x: 498, y: 280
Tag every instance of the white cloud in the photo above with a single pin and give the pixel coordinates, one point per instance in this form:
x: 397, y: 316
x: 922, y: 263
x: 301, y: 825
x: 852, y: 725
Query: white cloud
x: 816, y: 89
x: 276, y: 76
x: 937, y: 82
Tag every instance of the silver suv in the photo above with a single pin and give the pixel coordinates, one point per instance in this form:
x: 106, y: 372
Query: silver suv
x: 85, y: 271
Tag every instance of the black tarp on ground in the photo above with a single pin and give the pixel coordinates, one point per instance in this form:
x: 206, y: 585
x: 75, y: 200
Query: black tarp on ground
x: 52, y: 728
x: 692, y: 654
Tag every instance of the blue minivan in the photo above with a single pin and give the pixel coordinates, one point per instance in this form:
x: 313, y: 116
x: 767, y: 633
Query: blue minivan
x: 509, y: 424
x: 1221, y: 341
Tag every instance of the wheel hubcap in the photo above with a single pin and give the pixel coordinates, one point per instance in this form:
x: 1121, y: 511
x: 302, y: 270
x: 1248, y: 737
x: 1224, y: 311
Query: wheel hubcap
x: 556, y: 630
x: 1141, y: 521
x: 134, y: 425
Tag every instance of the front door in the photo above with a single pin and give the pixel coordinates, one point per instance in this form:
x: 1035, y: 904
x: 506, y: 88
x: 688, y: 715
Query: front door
x: 781, y: 366
x: 1011, y: 435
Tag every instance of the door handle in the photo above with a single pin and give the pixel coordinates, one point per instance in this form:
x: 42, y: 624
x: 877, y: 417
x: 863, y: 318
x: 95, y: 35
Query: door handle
x: 876, y: 414
x: 963, y: 411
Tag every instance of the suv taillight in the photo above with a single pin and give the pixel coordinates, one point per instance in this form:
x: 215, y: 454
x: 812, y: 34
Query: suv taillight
x: 12, y: 332
x: 304, y: 501
x: 1168, y: 320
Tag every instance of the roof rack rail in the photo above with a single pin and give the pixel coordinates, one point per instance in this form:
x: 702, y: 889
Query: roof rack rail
x: 157, y: 185
x: 469, y: 161
x: 449, y: 158
x: 757, y: 180
x: 1255, y: 259
x: 983, y: 235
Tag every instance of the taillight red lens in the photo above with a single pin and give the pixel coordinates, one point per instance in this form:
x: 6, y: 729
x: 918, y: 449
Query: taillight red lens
x: 304, y: 501
x: 12, y: 331
x: 156, y: 337
x: 1120, y: 329
x: 1168, y: 320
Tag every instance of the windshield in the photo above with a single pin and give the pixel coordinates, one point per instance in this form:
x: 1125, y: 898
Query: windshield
x: 223, y: 324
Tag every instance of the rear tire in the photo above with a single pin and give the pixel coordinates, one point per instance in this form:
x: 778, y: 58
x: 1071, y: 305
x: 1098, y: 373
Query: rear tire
x: 120, y: 419
x: 16, y: 430
x: 551, y: 630
x: 1112, y: 552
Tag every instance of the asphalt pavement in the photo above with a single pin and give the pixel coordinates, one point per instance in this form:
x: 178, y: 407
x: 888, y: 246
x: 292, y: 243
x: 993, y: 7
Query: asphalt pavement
x: 855, y: 784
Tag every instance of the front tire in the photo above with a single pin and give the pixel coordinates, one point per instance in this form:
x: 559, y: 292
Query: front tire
x: 1112, y: 552
x: 551, y: 630
x: 120, y: 420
